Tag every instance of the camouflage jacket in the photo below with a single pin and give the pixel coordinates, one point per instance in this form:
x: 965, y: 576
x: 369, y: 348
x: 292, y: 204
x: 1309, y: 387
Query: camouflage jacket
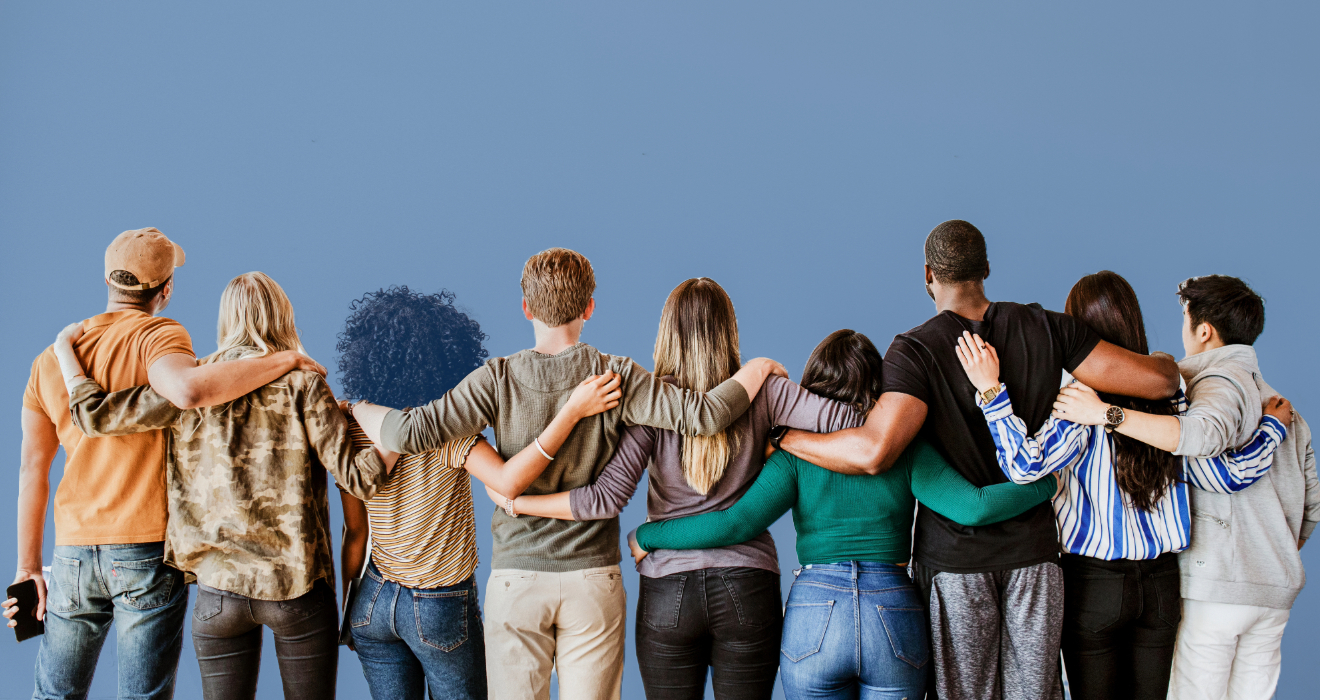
x: 246, y: 480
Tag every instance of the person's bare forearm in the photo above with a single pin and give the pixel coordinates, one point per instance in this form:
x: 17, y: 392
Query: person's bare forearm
x: 38, y: 448
x: 870, y: 449
x: 1114, y: 370
x: 1156, y: 431
x: 353, y: 548
x: 519, y: 472
x: 753, y: 374
x: 33, y: 495
x: 187, y: 384
x: 553, y: 505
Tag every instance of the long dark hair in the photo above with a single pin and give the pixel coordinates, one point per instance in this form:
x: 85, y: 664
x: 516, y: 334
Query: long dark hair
x: 1106, y: 302
x: 845, y: 367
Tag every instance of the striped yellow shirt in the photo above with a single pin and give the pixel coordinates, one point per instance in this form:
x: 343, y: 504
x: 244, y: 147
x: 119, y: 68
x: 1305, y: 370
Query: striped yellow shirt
x: 423, y: 533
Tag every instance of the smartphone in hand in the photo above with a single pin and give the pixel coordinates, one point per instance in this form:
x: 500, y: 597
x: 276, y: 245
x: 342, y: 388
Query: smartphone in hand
x: 28, y: 624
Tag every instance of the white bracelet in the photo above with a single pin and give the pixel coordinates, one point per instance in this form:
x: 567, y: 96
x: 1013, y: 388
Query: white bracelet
x: 508, y: 508
x: 537, y: 442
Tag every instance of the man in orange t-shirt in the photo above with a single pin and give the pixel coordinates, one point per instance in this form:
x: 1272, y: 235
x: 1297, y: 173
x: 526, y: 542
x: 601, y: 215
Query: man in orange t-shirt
x: 110, y: 506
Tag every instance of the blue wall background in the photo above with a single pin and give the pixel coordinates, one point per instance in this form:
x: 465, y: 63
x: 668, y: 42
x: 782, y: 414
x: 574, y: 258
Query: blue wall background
x: 798, y: 153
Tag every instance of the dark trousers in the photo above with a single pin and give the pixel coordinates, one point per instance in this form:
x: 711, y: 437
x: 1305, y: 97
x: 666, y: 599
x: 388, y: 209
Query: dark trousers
x: 227, y: 637
x: 728, y: 620
x: 1120, y: 622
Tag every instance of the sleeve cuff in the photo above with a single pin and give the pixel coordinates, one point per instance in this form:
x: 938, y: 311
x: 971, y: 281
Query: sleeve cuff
x: 390, y: 431
x: 1308, y: 526
x: 999, y: 408
x: 633, y: 541
x: 1274, y: 427
x: 733, y: 393
x: 85, y: 388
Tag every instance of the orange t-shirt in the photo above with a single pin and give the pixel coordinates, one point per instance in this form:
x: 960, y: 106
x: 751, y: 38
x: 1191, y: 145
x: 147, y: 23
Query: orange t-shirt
x: 113, y: 489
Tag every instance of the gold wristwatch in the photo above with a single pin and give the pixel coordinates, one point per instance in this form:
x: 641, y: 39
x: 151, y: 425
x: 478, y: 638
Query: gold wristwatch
x: 989, y: 394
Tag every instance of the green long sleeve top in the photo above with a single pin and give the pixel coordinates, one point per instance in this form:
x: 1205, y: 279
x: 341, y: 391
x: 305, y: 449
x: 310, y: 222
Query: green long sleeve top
x: 843, y: 517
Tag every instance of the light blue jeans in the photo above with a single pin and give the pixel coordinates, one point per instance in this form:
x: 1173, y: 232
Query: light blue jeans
x: 129, y: 585
x: 854, y: 630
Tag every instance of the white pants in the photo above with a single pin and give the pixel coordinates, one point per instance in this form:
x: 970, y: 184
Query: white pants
x: 1227, y: 651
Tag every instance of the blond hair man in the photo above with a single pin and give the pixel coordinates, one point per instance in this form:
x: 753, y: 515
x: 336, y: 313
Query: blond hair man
x: 555, y: 596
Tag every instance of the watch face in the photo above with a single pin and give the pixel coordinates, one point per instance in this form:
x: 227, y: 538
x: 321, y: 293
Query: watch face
x: 1114, y: 415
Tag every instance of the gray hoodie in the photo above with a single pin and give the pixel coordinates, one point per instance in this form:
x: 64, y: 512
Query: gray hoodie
x: 1244, y: 545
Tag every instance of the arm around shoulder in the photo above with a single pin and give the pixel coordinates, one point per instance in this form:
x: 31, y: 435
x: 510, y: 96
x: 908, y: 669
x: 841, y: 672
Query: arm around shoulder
x: 871, y: 448
x: 1114, y: 370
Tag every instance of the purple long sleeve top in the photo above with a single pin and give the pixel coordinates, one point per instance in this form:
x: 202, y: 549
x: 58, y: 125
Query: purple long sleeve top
x: 780, y: 402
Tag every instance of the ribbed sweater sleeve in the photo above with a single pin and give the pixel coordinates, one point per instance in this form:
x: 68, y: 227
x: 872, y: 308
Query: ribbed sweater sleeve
x: 772, y: 494
x: 610, y: 492
x: 649, y: 401
x: 945, y: 491
x: 464, y: 410
x: 798, y: 408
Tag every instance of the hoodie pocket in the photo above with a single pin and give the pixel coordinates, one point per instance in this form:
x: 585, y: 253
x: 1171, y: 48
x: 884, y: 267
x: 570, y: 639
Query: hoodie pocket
x: 1212, y: 554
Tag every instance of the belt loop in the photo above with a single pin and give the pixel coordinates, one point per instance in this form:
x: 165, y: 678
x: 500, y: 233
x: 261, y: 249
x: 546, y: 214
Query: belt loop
x: 855, y: 571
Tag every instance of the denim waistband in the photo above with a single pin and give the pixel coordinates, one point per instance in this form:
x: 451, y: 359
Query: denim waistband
x: 861, y: 567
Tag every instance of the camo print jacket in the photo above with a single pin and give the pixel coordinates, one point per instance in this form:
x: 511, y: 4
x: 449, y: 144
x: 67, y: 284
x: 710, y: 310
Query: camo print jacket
x: 246, y: 480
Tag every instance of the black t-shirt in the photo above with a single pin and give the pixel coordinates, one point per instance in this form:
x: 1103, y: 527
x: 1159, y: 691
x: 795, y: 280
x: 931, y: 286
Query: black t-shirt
x: 1034, y: 346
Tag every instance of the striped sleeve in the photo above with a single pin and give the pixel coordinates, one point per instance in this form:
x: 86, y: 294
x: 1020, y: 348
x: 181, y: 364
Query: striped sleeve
x: 1025, y: 458
x: 1235, y: 470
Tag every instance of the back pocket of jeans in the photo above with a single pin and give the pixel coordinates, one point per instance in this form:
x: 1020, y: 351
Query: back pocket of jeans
x: 208, y: 605
x: 442, y: 618
x: 906, y: 628
x: 805, y: 625
x: 661, y: 600
x: 1093, y: 600
x: 756, y: 596
x: 1168, y: 589
x: 147, y: 583
x: 62, y: 595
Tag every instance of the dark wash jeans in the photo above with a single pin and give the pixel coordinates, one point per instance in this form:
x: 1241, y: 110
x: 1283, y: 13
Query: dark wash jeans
x: 227, y: 637
x: 724, y: 619
x: 1120, y: 622
x: 854, y: 630
x: 129, y: 585
x: 409, y: 638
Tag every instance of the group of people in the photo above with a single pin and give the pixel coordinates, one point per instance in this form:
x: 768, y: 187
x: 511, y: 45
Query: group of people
x: 964, y: 510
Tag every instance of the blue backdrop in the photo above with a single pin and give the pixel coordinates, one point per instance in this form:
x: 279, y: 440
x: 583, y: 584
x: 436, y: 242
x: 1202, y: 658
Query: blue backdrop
x: 797, y: 153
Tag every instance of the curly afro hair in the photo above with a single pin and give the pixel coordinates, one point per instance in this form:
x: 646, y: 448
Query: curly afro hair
x: 401, y: 348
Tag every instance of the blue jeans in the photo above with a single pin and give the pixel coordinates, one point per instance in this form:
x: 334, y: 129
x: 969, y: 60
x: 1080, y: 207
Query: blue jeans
x: 854, y: 630
x: 408, y: 638
x: 92, y: 586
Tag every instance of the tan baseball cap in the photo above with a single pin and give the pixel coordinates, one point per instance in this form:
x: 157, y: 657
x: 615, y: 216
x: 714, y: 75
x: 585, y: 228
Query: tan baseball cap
x: 147, y: 254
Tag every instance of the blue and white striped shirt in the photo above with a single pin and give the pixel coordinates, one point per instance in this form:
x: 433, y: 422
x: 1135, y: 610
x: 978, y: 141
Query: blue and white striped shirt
x: 1096, y: 518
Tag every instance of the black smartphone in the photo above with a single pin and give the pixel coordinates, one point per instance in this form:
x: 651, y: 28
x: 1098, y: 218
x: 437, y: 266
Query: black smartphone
x: 28, y: 624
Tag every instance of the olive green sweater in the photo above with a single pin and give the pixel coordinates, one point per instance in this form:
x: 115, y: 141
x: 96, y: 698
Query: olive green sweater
x: 842, y: 517
x: 518, y: 396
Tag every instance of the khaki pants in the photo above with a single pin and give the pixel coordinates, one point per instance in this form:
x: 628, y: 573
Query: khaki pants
x: 572, y: 622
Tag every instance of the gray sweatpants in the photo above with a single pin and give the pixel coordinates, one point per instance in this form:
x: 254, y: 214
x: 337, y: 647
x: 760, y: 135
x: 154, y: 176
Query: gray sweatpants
x: 995, y: 636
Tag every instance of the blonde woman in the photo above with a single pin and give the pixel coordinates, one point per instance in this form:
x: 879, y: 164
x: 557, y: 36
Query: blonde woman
x: 248, y: 513
x: 714, y: 608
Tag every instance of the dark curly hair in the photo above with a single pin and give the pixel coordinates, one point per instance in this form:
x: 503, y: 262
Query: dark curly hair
x: 401, y: 348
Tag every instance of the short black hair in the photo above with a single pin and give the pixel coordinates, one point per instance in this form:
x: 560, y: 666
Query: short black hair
x: 845, y: 367
x: 134, y: 296
x: 1231, y: 307
x: 402, y: 348
x: 955, y: 252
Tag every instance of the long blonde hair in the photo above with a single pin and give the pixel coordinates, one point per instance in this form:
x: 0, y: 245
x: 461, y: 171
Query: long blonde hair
x: 254, y: 312
x: 698, y: 345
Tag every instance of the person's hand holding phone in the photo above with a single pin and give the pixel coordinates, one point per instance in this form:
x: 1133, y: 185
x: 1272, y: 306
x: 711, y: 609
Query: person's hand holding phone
x: 26, y: 614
